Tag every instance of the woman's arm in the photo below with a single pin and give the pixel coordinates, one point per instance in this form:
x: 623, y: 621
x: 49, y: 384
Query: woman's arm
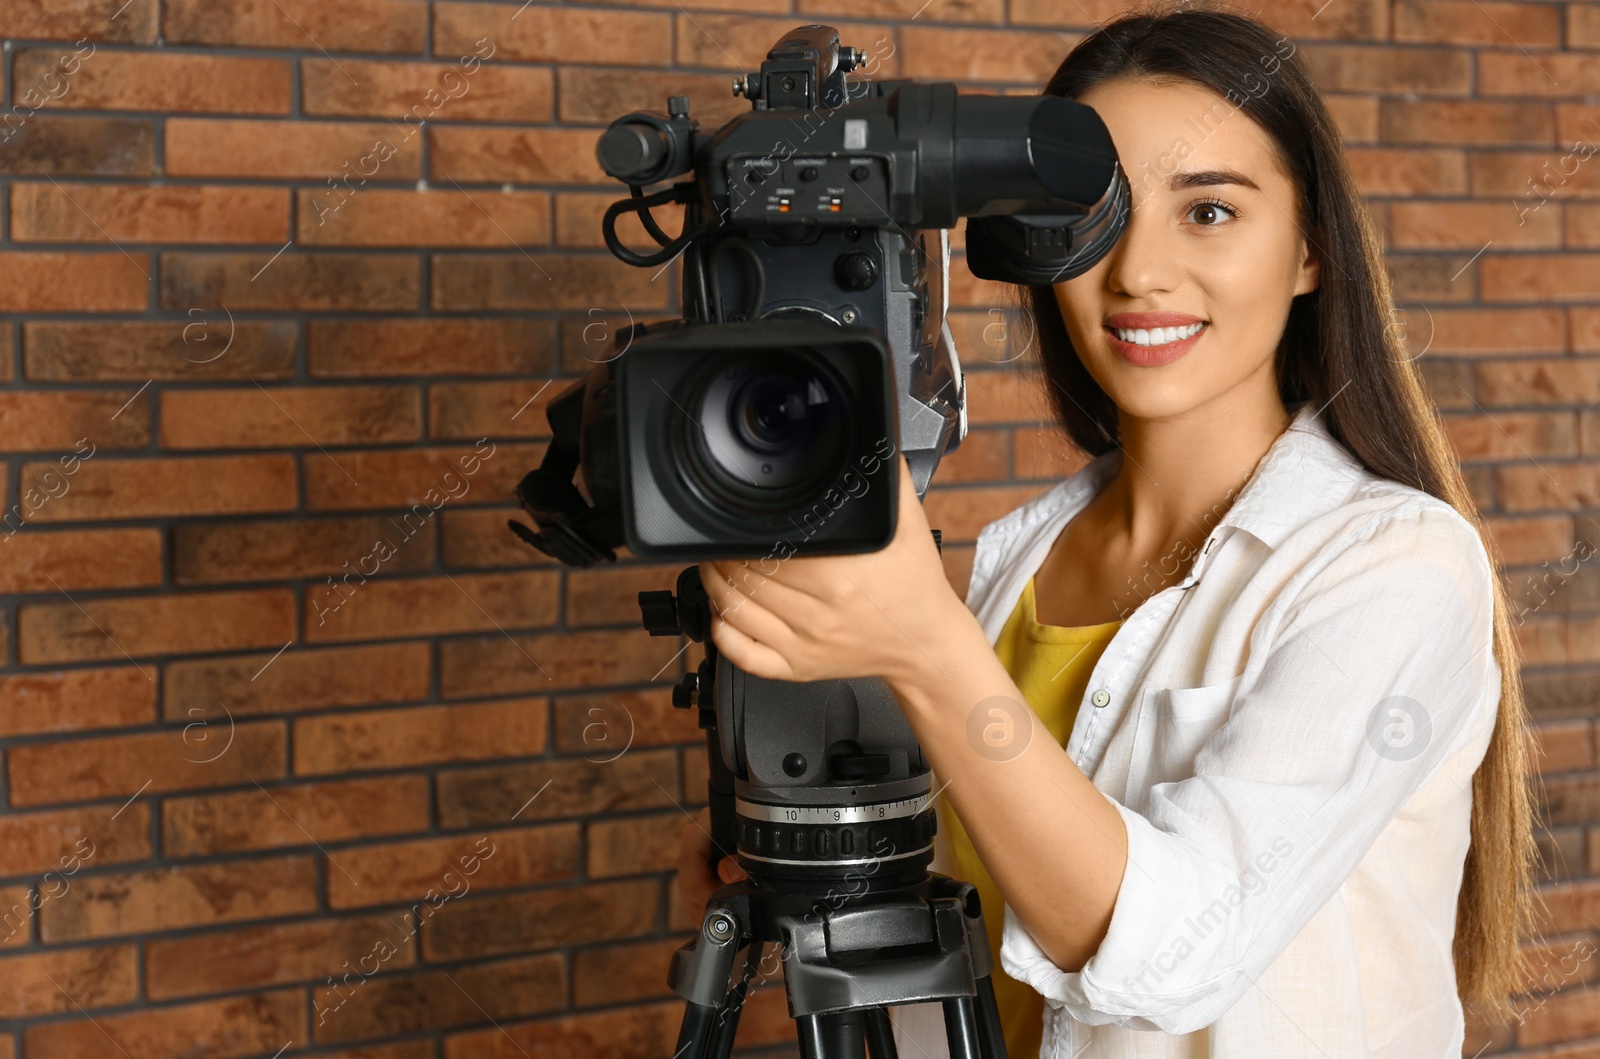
x: 1049, y: 839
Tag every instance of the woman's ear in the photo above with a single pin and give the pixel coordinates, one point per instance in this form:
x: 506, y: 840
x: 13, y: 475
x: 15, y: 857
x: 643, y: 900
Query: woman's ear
x: 1310, y: 277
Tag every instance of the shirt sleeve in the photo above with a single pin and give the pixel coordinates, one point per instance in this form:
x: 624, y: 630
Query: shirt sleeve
x: 1376, y: 669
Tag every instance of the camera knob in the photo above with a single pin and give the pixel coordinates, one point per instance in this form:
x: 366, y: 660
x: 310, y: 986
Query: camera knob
x: 855, y: 271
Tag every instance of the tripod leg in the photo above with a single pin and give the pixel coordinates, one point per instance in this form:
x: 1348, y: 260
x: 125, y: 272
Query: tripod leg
x: 880, y: 1035
x: 990, y: 1033
x: 834, y: 1035
x: 961, y: 1027
x: 692, y: 1034
x: 721, y: 1045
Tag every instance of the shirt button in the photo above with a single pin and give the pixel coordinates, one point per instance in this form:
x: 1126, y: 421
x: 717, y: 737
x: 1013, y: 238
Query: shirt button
x: 1100, y: 697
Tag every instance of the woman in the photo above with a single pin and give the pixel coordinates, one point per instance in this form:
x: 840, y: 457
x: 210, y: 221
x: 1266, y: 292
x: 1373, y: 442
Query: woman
x: 1289, y: 817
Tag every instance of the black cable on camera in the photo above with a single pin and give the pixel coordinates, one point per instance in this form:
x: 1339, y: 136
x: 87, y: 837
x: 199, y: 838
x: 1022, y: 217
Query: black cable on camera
x: 757, y: 268
x: 641, y: 204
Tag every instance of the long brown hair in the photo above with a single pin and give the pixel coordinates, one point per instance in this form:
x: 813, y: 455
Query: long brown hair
x: 1340, y: 349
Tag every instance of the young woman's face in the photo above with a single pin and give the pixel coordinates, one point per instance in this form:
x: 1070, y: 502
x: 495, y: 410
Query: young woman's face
x: 1203, y: 246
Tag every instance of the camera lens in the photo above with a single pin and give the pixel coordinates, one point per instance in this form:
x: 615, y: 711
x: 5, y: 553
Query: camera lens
x: 768, y: 429
x: 770, y: 413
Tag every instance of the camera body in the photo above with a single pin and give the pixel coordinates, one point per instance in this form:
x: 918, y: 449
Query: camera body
x: 813, y: 347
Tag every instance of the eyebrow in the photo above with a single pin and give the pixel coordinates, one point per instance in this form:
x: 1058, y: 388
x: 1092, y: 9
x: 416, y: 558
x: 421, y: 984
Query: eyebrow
x: 1208, y: 177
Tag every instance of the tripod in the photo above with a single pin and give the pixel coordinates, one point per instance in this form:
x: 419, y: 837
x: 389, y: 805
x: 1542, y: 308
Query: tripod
x: 906, y: 943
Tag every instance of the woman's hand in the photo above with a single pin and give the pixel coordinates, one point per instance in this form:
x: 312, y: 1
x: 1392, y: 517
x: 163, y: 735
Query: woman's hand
x: 836, y: 616
x: 696, y: 883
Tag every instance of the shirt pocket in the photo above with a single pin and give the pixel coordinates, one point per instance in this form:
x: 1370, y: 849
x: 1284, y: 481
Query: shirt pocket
x: 1184, y: 719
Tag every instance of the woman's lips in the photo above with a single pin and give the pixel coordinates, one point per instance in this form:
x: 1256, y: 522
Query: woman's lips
x: 1154, y: 356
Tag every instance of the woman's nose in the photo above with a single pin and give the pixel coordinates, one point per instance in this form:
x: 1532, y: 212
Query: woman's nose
x: 1144, y: 259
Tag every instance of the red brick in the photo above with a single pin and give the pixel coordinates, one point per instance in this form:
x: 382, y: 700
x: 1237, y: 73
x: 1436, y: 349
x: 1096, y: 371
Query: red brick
x: 418, y: 92
x: 598, y: 727
x: 154, y: 625
x: 259, y: 417
x: 978, y: 55
x: 118, y: 213
x: 625, y: 1033
x: 1563, y: 746
x: 209, y: 553
x: 116, y: 20
x: 289, y: 282
x: 1513, y: 72
x: 353, y: 215
x: 298, y: 679
x: 474, y: 282
x: 194, y: 485
x: 594, y: 96
x: 1533, y: 179
x: 296, y: 815
x: 1540, y: 277
x: 961, y: 513
x: 65, y: 841
x: 101, y: 906
x: 1583, y: 26
x: 523, y: 156
x: 355, y: 25
x: 1509, y: 435
x: 78, y: 146
x: 1471, y: 226
x: 1387, y: 69
x: 429, y: 346
x: 1523, y: 541
x: 431, y: 1000
x: 122, y: 766
x: 54, y: 983
x: 288, y: 150
x: 205, y: 346
x: 633, y: 846
x: 609, y: 594
x: 394, y: 608
x: 1478, y: 22
x: 405, y: 871
x: 226, y: 962
x: 76, y: 700
x: 419, y: 735
x: 127, y: 80
x: 76, y: 559
x: 1540, y: 381
x: 47, y: 281
x: 1476, y: 332
x: 983, y: 456
x: 579, y: 214
x: 16, y: 928
x: 614, y: 974
x: 506, y: 664
x: 736, y: 42
x: 1409, y: 172
x: 522, y: 922
x: 492, y: 796
x: 56, y: 420
x: 1458, y: 122
x: 419, y: 480
x: 474, y: 539
x: 556, y: 34
x: 232, y: 1028
x: 465, y: 410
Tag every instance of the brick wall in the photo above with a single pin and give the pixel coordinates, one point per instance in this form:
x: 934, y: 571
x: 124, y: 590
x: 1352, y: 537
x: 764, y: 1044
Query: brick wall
x: 303, y: 752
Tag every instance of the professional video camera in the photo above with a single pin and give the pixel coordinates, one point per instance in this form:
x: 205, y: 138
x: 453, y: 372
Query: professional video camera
x: 765, y: 424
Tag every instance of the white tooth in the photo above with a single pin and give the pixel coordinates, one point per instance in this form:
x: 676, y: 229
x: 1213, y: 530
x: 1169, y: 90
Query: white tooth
x: 1142, y: 337
x: 1169, y: 334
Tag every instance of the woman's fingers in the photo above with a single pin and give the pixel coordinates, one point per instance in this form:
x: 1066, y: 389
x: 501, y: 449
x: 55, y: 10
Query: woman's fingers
x: 754, y: 658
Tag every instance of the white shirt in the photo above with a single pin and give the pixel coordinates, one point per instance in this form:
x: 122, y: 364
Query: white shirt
x: 1290, y: 734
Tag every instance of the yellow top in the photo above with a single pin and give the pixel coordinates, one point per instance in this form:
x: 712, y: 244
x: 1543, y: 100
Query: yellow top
x: 1051, y: 665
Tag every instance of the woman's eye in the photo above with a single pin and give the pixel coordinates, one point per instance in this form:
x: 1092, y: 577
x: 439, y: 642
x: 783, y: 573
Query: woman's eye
x: 1212, y: 214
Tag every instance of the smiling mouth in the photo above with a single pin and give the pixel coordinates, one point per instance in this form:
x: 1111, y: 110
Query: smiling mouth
x: 1156, y: 336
